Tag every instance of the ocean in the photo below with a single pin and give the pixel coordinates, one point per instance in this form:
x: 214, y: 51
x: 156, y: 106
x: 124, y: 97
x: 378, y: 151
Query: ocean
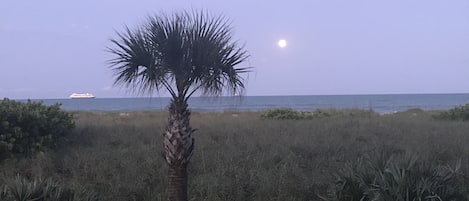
x: 379, y: 103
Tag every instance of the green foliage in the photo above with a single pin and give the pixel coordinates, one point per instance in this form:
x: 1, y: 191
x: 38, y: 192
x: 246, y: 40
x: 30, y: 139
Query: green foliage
x: 288, y: 113
x: 239, y: 155
x: 457, y: 113
x: 28, y: 127
x: 414, y: 110
x: 183, y: 53
x: 398, y: 178
x: 21, y: 189
x: 282, y: 113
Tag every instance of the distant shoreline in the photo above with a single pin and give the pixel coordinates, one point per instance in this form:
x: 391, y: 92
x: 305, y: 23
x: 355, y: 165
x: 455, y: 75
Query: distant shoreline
x: 242, y: 96
x: 378, y: 103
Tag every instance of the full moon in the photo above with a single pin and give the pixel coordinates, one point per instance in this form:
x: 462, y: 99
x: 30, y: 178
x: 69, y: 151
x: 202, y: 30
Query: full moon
x: 282, y: 43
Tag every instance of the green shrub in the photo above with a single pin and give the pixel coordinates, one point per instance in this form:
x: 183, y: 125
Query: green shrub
x: 399, y: 178
x: 288, y: 113
x: 457, y: 113
x: 19, y: 189
x: 282, y: 113
x: 414, y: 110
x: 28, y: 127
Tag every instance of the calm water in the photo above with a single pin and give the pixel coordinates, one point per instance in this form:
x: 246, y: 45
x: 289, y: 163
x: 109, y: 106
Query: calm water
x: 379, y: 103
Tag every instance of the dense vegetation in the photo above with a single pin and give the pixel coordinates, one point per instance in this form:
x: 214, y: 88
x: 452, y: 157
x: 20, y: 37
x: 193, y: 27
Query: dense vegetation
x: 242, y: 156
x: 39, y: 189
x: 457, y: 113
x: 288, y: 113
x: 399, y: 177
x: 29, y: 127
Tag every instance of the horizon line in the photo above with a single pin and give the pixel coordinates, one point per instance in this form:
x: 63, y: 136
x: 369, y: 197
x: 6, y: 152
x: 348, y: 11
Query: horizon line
x: 280, y: 95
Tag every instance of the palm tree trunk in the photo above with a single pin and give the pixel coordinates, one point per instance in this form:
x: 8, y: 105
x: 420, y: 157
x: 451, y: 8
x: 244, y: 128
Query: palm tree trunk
x: 178, y: 147
x: 177, y: 188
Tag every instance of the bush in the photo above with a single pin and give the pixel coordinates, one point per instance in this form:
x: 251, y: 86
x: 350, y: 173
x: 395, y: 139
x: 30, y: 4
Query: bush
x: 282, y: 113
x: 42, y: 190
x: 28, y: 127
x: 398, y: 178
x: 457, y: 113
x: 288, y: 113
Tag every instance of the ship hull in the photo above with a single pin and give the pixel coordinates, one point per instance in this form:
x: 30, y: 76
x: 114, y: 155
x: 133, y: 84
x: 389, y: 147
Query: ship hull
x: 82, y: 96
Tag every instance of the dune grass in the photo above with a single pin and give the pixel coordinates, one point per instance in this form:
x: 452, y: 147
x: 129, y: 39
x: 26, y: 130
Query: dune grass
x: 238, y: 155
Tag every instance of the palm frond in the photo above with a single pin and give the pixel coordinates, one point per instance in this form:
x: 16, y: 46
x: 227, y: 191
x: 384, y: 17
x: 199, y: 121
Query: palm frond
x: 136, y: 65
x: 184, y: 53
x: 214, y: 56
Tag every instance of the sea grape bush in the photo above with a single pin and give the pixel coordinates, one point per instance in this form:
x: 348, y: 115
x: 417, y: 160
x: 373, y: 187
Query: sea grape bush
x: 456, y: 113
x: 282, y: 113
x: 28, y: 127
x: 288, y: 113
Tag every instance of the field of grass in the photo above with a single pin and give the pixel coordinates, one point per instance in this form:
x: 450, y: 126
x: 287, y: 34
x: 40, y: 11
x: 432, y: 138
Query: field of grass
x: 238, y: 155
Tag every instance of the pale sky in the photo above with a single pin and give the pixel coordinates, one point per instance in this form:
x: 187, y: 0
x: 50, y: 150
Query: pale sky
x: 52, y: 48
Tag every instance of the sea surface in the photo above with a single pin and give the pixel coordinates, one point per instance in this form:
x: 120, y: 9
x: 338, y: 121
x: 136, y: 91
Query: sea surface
x: 378, y: 103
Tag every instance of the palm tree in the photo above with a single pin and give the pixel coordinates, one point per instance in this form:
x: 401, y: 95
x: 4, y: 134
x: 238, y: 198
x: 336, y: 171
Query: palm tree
x: 185, y: 53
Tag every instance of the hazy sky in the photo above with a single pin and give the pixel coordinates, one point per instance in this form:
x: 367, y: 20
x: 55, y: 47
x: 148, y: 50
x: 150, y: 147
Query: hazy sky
x: 52, y: 48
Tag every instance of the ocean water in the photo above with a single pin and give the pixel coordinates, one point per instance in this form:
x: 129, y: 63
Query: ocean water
x: 379, y: 103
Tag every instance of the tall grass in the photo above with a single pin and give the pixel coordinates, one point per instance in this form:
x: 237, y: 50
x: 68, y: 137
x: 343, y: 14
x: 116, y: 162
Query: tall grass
x: 238, y: 156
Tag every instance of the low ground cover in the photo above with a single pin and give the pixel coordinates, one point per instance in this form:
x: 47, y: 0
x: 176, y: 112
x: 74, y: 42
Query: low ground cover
x: 242, y: 155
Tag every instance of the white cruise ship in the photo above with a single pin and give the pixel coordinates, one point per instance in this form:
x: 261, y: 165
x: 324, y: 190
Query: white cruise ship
x: 85, y: 95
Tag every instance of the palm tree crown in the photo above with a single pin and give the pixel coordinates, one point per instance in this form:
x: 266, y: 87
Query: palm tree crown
x: 182, y: 53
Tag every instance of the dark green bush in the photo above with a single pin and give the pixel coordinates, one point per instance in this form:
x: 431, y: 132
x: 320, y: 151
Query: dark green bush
x: 457, y: 113
x: 398, y: 178
x: 43, y: 190
x: 28, y: 127
x: 288, y: 113
x: 282, y: 113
